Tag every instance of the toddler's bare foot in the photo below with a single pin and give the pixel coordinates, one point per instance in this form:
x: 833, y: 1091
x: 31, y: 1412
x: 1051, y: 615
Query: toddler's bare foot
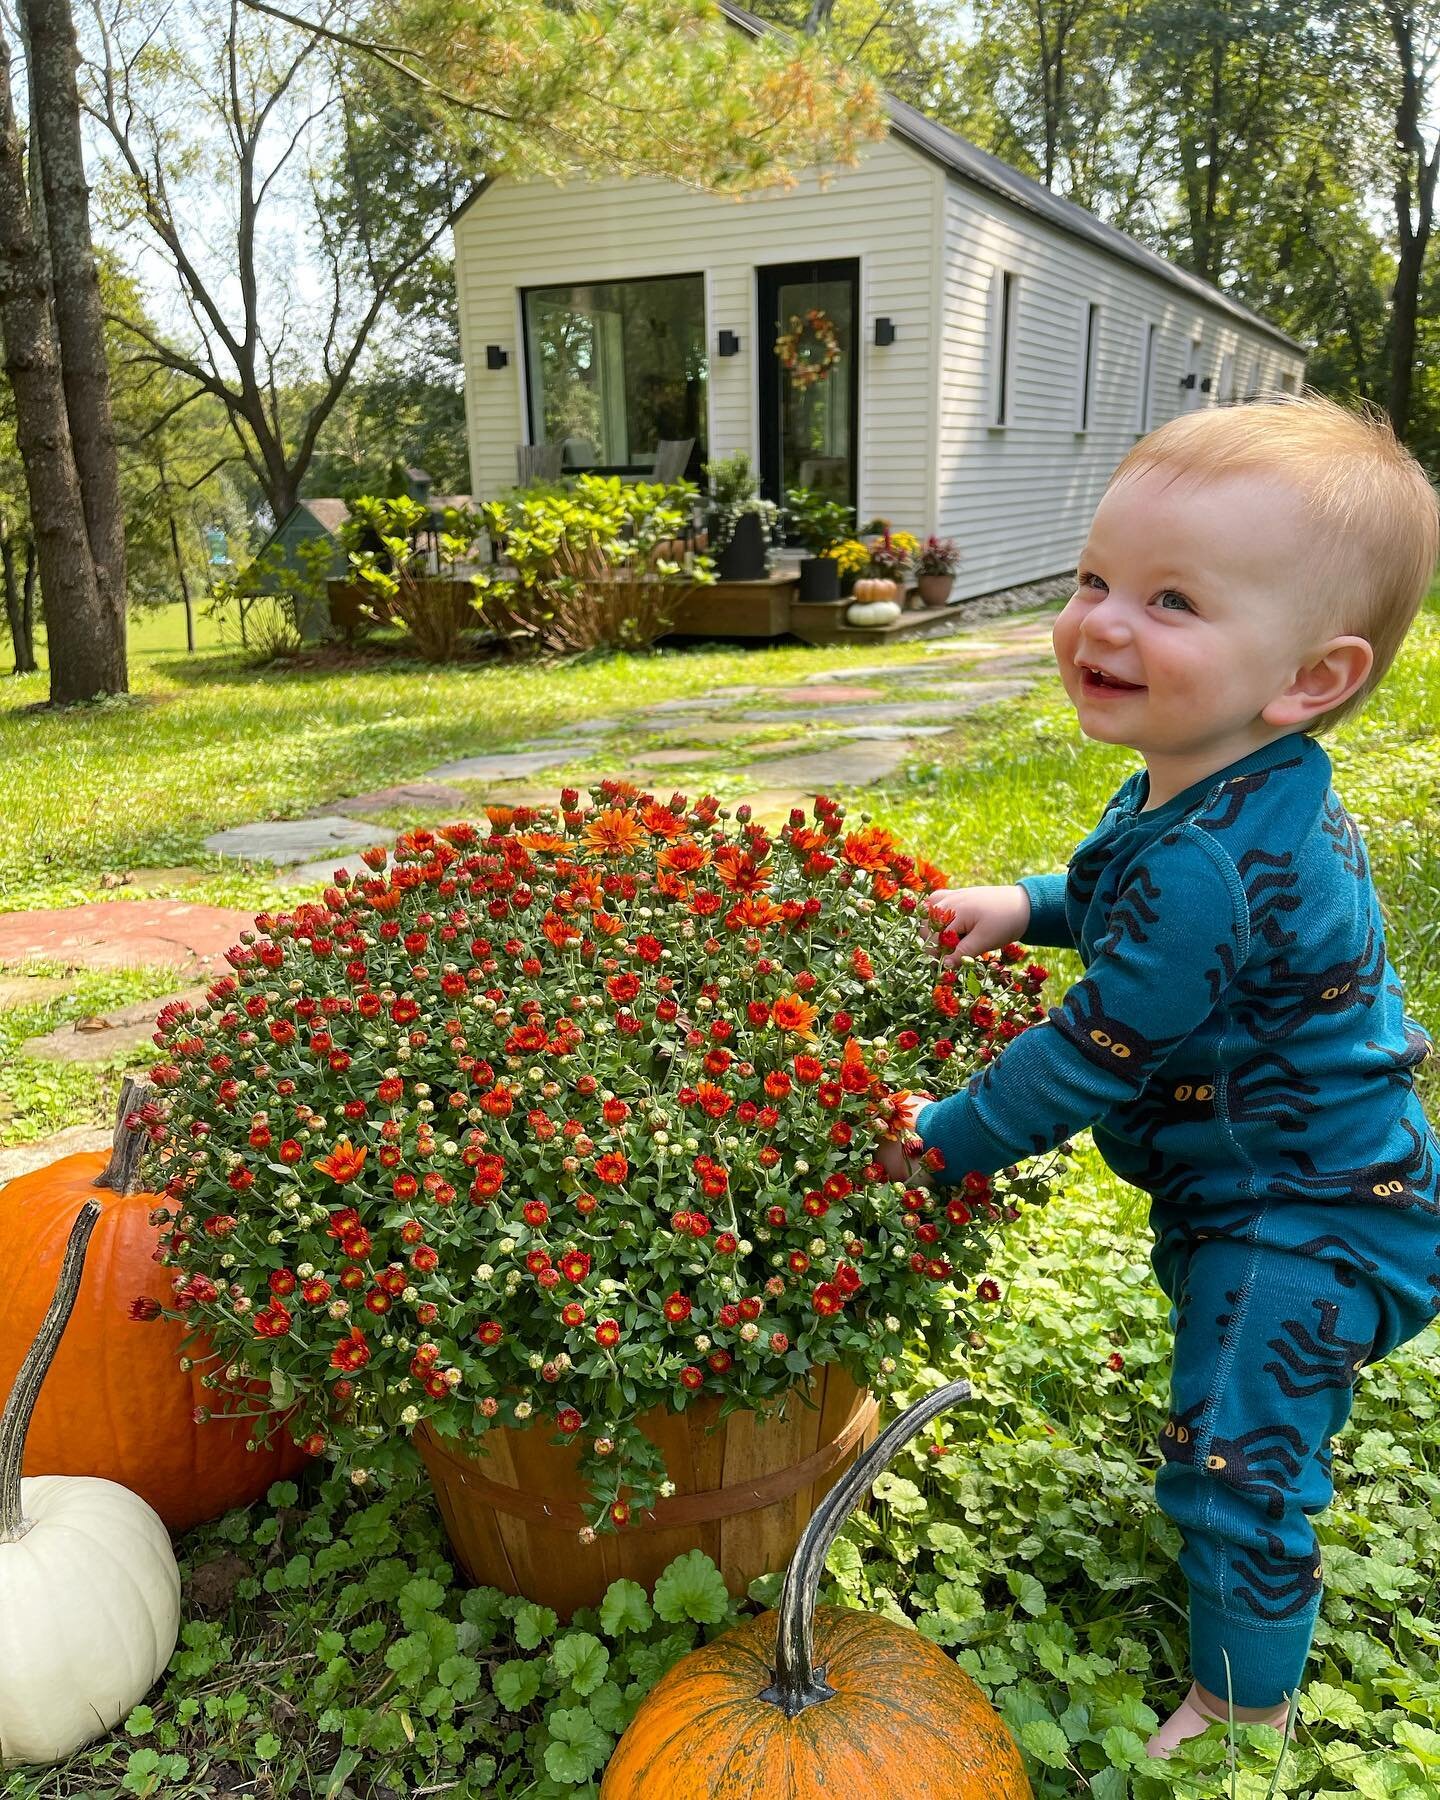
x: 1199, y: 1710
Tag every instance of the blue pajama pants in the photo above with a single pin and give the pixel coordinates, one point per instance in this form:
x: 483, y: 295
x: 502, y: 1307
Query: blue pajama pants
x: 1275, y: 1313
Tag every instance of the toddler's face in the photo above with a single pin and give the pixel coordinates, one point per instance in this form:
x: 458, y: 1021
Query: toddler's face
x: 1188, y: 594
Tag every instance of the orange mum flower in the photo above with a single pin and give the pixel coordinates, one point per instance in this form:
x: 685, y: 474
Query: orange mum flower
x: 753, y: 913
x: 869, y: 849
x: 740, y: 872
x: 501, y: 817
x: 542, y: 840
x: 344, y: 1162
x: 659, y: 821
x: 791, y: 1013
x: 683, y: 858
x: 614, y: 833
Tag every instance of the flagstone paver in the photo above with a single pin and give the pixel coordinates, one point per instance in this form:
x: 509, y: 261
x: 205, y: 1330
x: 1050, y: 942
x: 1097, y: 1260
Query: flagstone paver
x: 30, y: 990
x: 407, y: 793
x: 102, y: 1036
x: 295, y: 840
x: 76, y: 1140
x: 849, y: 765
x: 888, y: 734
x: 507, y: 765
x: 123, y: 934
x: 960, y: 699
x: 325, y: 868
x: 836, y: 695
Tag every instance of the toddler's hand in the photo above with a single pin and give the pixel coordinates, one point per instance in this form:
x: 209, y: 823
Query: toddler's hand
x: 897, y: 1162
x: 985, y: 917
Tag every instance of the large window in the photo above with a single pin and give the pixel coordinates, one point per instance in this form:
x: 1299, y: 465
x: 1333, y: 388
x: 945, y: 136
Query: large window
x: 614, y: 367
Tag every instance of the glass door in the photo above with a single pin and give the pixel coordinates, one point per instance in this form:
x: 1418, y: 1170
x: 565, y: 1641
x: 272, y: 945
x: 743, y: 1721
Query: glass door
x: 809, y: 395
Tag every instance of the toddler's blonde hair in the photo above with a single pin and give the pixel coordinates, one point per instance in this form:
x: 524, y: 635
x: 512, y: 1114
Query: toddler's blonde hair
x: 1376, y: 514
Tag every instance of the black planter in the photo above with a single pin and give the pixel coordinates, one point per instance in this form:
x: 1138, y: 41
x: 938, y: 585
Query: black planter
x: 819, y: 579
x: 743, y: 558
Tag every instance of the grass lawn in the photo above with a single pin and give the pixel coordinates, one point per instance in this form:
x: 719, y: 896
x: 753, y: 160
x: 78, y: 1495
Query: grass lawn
x: 1029, y: 1545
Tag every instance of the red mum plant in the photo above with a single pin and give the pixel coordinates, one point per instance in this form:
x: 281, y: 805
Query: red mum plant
x: 559, y: 1119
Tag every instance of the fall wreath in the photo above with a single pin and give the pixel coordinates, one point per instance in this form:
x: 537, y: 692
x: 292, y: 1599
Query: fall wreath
x: 810, y: 348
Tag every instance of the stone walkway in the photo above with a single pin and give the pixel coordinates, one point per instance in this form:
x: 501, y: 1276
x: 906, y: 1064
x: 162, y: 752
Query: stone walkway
x: 848, y: 728
x: 839, y: 730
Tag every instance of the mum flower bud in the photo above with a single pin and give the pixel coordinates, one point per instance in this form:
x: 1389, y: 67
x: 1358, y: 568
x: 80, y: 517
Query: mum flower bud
x: 523, y: 1409
x: 410, y: 1416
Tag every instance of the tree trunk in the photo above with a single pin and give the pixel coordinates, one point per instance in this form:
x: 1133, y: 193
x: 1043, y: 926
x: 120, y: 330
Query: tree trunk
x: 20, y: 636
x: 184, y: 587
x: 79, y: 316
x: 81, y: 655
x: 27, y: 599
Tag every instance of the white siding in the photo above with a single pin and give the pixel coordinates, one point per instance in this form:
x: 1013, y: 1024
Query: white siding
x: 885, y: 212
x: 1019, y: 497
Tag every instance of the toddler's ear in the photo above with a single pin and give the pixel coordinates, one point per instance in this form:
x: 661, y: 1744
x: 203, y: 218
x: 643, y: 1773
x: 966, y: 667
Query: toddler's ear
x: 1323, y: 683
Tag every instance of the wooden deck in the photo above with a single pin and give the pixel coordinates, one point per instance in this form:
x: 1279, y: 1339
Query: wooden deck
x: 770, y: 609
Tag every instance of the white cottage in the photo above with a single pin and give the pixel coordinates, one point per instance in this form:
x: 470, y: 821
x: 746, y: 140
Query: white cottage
x: 1000, y: 348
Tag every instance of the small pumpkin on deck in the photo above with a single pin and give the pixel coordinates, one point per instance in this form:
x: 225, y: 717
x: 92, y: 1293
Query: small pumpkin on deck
x: 118, y: 1405
x: 89, y: 1588
x: 876, y: 587
x: 801, y: 1703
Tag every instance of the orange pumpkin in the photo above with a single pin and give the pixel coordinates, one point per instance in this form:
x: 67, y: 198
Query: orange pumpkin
x: 116, y: 1403
x: 799, y: 1703
x: 876, y: 587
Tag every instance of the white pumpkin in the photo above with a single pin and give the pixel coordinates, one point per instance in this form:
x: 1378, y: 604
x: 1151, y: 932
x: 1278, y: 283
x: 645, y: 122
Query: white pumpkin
x: 870, y: 613
x: 89, y: 1587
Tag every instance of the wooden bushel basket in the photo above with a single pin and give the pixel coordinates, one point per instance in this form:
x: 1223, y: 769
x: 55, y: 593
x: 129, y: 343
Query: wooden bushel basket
x: 743, y: 1492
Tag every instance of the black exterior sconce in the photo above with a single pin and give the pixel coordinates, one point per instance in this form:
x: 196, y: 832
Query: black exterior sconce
x: 1188, y: 381
x: 884, y: 333
x: 495, y: 357
x: 1206, y: 384
x: 728, y: 344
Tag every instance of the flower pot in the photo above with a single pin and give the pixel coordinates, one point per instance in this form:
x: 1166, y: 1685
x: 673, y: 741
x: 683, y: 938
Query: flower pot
x: 819, y: 579
x: 743, y: 558
x: 935, y: 589
x: 847, y: 584
x: 744, y: 1488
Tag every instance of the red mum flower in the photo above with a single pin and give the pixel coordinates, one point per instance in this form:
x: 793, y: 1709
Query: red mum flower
x: 1115, y: 1361
x: 607, y: 1334
x: 676, y: 1309
x: 489, y: 1332
x: 568, y: 1419
x: 575, y: 1265
x: 351, y: 1352
x: 987, y: 1289
x: 692, y: 1378
x: 612, y: 1168
x: 572, y: 1313
x: 143, y: 1310
x: 535, y: 1212
x: 827, y: 1299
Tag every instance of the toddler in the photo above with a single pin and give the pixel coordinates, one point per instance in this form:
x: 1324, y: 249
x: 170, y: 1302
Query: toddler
x: 1239, y: 1041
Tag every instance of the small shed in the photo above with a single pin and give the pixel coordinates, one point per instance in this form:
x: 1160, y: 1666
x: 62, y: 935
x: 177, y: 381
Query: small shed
x: 997, y: 349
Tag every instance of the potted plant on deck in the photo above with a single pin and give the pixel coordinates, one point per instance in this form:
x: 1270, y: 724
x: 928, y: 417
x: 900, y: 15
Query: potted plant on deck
x: 935, y: 566
x: 891, y: 555
x: 739, y: 520
x: 553, y: 1140
x: 821, y: 524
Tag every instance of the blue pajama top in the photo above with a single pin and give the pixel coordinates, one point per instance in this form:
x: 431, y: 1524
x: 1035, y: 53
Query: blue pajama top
x: 1239, y: 1033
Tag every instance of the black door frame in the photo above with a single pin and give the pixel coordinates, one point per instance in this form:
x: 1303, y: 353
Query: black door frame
x: 768, y: 282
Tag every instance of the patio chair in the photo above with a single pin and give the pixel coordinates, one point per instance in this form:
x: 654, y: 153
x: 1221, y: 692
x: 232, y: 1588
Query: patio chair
x: 671, y: 457
x: 538, y: 462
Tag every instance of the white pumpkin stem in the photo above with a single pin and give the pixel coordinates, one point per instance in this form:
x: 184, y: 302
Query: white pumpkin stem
x: 796, y: 1682
x: 20, y: 1407
x: 123, y: 1170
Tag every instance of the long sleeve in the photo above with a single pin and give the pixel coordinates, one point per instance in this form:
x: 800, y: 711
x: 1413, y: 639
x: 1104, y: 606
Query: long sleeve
x: 1048, y: 924
x: 1178, y: 932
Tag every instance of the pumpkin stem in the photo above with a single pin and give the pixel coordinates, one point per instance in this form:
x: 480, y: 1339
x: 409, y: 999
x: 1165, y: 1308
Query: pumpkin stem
x: 797, y: 1683
x: 20, y: 1407
x: 122, y: 1172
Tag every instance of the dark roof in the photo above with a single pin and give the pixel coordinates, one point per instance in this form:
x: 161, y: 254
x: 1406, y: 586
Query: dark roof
x: 965, y: 159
